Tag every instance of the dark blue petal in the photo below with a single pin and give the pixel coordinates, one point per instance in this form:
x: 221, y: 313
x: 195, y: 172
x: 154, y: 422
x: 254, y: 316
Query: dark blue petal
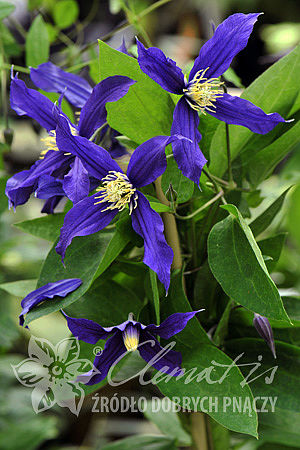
x: 93, y: 115
x: 76, y: 183
x: 230, y: 37
x: 50, y: 204
x: 31, y: 103
x: 51, y: 78
x: 161, y: 69
x: 264, y: 329
x: 123, y: 48
x: 149, y: 225
x: 48, y: 187
x: 167, y: 362
x: 96, y: 160
x: 172, y: 325
x: 113, y: 350
x: 83, y: 219
x: 187, y: 154
x: 148, y: 160
x: 57, y: 289
x: 87, y: 330
x: 237, y: 111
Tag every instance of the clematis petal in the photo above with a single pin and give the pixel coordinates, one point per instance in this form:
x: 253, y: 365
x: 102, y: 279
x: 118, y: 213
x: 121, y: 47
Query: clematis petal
x: 238, y: 111
x: 83, y: 219
x: 59, y: 288
x: 29, y: 102
x: 230, y: 37
x: 123, y: 48
x: 113, y: 350
x: 87, y: 330
x: 76, y: 183
x: 51, y: 78
x: 93, y: 114
x: 153, y: 353
x: 149, y: 225
x: 148, y: 160
x: 50, y: 204
x: 161, y: 69
x: 187, y: 154
x: 48, y: 187
x: 96, y: 160
x: 172, y: 325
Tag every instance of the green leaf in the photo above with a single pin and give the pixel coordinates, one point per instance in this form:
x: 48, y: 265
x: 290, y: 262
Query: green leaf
x: 168, y: 422
x: 11, y: 48
x: 232, y: 77
x: 144, y: 442
x: 294, y: 216
x: 198, y: 353
x: 284, y: 421
x: 47, y: 227
x: 82, y: 260
x: 65, y: 13
x: 182, y: 185
x: 272, y: 247
x: 276, y: 90
x: 265, y: 219
x: 146, y: 110
x: 237, y: 263
x: 157, y: 205
x: 37, y: 43
x: 6, y: 9
x: 19, y: 288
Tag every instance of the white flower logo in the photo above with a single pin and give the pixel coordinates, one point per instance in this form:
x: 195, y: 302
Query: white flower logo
x: 52, y: 372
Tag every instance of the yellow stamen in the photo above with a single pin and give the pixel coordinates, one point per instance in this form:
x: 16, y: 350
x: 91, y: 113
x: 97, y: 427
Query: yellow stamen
x: 131, y: 336
x: 118, y: 191
x: 203, y: 92
x: 50, y: 143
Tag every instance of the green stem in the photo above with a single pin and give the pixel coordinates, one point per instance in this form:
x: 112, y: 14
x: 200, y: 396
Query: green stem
x: 210, y: 202
x: 230, y: 176
x: 153, y: 7
x: 5, y: 66
x: 154, y: 287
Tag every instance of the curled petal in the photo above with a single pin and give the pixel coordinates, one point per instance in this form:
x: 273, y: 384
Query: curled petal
x: 187, y: 153
x: 230, y: 37
x: 172, y: 325
x: 50, y: 290
x: 161, y: 69
x: 237, y: 111
x: 263, y: 327
x: 50, y: 204
x: 93, y: 115
x: 149, y: 225
x: 48, y: 187
x: 83, y: 219
x: 51, y: 78
x: 76, y: 183
x: 29, y: 102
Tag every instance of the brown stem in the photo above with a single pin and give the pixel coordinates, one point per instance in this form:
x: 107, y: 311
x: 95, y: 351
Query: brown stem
x: 199, y: 432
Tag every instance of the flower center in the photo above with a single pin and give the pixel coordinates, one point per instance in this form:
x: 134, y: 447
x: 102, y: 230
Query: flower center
x: 118, y: 191
x: 201, y: 92
x: 50, y: 142
x: 131, y: 336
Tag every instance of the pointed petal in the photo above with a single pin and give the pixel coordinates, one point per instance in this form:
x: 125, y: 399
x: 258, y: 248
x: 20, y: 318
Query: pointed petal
x: 149, y: 225
x: 87, y: 330
x: 59, y: 288
x: 123, y: 48
x: 148, y: 160
x: 114, y: 349
x: 237, y: 111
x: 77, y: 183
x: 29, y: 102
x: 153, y: 353
x: 161, y: 69
x: 172, y: 325
x: 50, y: 204
x: 230, y: 37
x: 51, y: 78
x: 187, y: 154
x: 93, y: 115
x: 83, y: 219
x: 96, y: 160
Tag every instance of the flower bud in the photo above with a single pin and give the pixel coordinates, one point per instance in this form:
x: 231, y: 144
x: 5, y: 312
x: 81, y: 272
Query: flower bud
x: 263, y: 327
x: 8, y: 134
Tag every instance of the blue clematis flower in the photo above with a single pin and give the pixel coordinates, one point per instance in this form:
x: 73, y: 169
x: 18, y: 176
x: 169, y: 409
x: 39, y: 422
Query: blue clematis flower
x: 202, y: 91
x: 59, y: 288
x: 118, y: 191
x: 54, y: 162
x: 130, y: 336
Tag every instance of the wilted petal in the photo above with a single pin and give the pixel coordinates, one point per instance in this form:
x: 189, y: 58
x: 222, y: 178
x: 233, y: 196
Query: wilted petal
x: 187, y: 154
x: 263, y: 327
x: 230, y: 37
x: 238, y: 111
x: 149, y: 225
x: 172, y: 325
x: 50, y: 290
x: 161, y: 69
x: 51, y: 78
x: 93, y: 115
x: 76, y: 183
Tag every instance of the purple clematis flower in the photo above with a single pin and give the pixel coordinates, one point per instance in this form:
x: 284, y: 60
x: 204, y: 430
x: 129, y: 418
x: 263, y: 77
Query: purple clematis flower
x: 202, y: 91
x: 58, y: 289
x: 118, y: 191
x: 263, y: 327
x: 54, y: 162
x: 130, y: 336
